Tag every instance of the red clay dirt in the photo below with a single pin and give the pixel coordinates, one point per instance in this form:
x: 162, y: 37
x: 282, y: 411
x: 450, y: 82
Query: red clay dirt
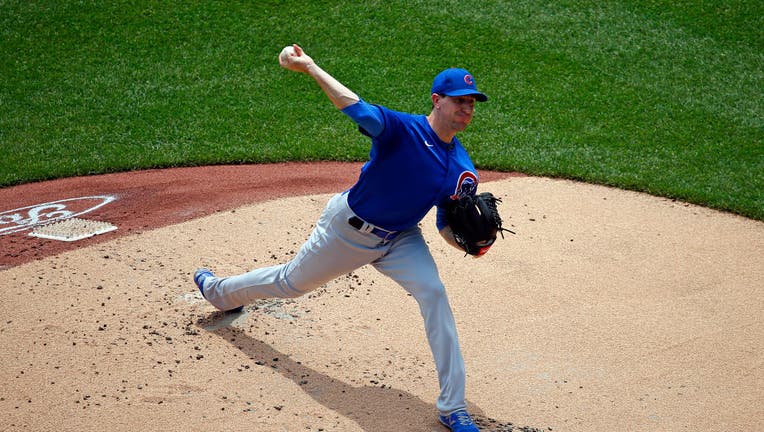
x: 155, y: 198
x: 609, y: 310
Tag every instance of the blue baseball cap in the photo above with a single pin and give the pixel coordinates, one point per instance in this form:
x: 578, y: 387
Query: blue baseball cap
x: 457, y: 82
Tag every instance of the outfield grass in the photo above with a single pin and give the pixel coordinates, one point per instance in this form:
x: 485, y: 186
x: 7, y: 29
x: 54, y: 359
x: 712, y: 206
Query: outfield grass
x: 658, y: 96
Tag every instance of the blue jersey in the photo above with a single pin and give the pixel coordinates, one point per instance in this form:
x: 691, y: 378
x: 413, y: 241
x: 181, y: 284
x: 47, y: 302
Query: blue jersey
x: 409, y: 171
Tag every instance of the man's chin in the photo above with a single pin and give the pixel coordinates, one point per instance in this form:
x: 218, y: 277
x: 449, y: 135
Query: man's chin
x: 460, y: 126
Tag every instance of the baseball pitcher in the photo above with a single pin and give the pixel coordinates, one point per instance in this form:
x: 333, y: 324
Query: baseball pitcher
x: 376, y: 221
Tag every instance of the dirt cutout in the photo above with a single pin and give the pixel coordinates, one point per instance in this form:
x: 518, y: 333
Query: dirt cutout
x: 609, y: 310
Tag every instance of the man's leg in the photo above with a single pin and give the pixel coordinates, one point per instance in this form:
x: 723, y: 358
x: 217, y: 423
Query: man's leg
x: 410, y: 263
x: 333, y: 249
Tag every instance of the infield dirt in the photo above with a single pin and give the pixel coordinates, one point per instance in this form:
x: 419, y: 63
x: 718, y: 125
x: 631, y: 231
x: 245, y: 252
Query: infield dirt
x: 609, y: 310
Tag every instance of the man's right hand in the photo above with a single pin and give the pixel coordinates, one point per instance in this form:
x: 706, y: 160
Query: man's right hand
x: 296, y: 61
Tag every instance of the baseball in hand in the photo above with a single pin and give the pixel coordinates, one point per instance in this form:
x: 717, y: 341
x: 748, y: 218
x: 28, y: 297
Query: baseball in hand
x: 285, y: 53
x: 294, y: 58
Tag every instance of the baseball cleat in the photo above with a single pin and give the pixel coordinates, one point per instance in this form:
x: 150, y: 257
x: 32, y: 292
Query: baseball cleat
x: 459, y: 421
x: 200, y: 275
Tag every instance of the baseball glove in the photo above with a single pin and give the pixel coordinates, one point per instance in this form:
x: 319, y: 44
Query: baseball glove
x: 475, y: 221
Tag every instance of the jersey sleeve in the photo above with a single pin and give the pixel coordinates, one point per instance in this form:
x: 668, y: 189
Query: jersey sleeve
x: 440, y: 218
x: 368, y: 117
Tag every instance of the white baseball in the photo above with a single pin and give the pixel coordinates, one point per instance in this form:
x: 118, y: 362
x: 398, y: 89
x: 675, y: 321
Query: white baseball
x: 286, y: 52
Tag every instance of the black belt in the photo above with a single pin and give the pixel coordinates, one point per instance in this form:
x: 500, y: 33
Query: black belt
x: 358, y: 224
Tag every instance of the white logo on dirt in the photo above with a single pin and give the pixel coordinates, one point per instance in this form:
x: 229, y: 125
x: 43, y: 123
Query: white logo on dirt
x: 24, y: 218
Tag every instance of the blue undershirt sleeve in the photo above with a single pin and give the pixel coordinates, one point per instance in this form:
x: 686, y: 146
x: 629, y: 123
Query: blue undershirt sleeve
x: 368, y: 117
x: 440, y: 218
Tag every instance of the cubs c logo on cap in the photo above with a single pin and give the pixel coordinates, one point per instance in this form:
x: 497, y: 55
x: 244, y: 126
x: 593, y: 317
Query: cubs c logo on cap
x: 457, y: 82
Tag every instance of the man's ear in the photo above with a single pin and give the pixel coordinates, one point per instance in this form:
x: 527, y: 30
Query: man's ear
x: 435, y: 99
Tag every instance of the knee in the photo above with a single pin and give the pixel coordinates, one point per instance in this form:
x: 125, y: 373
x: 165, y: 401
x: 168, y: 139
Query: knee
x: 429, y: 291
x: 292, y: 290
x: 296, y: 283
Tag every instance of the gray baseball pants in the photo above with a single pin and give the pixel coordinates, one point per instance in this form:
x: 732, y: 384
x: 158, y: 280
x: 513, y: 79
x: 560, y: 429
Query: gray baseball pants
x: 335, y: 248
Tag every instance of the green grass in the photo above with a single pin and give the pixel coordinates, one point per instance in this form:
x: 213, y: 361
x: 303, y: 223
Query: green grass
x: 664, y: 97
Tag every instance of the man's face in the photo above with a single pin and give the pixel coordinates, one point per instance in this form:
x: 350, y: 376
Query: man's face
x: 457, y: 110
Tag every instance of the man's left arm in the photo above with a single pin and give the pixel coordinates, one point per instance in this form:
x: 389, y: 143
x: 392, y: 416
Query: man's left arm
x: 444, y: 229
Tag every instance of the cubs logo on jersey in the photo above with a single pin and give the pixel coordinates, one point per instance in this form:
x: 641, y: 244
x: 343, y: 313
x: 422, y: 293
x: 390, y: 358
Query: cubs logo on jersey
x: 466, y: 185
